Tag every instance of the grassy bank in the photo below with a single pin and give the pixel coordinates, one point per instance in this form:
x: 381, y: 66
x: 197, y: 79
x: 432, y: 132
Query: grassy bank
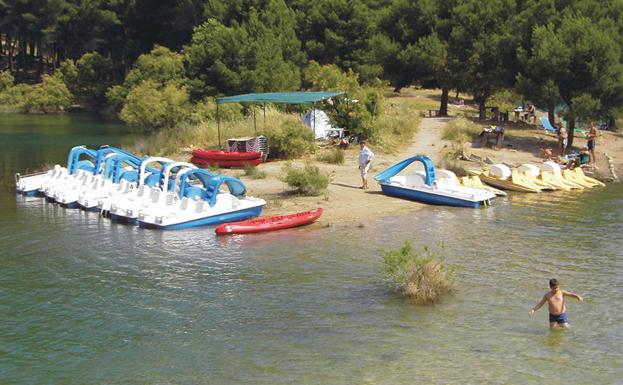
x: 395, y: 127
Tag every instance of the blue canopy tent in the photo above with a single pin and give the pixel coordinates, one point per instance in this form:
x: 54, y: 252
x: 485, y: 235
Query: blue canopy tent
x: 299, y: 97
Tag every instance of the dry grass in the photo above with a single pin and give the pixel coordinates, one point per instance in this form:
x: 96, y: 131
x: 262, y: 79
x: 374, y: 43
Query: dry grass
x: 427, y: 283
x: 398, y: 123
x: 461, y: 131
x: 422, y: 276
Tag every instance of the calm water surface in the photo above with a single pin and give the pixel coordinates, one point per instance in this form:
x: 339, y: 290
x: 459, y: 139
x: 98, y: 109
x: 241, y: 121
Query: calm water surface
x: 85, y: 301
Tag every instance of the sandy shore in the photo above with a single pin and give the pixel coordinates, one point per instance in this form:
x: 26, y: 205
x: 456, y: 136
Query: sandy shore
x: 345, y: 202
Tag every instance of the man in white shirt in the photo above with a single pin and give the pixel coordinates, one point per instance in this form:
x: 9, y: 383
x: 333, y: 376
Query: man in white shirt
x: 365, y: 157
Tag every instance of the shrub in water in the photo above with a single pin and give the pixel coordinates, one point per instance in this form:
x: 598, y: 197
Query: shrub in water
x: 335, y: 156
x: 418, y: 276
x: 308, y: 181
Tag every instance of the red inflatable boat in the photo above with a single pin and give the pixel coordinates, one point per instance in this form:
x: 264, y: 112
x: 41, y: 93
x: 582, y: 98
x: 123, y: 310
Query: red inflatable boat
x: 268, y: 224
x: 225, y: 158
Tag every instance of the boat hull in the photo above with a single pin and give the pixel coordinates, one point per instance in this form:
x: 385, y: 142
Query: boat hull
x: 425, y: 197
x: 269, y: 224
x: 507, y: 185
x: 234, y: 216
x: 226, y: 162
x: 225, y: 155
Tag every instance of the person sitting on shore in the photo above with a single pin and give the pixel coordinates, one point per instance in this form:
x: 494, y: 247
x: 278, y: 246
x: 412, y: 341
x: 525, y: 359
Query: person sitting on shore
x: 531, y: 115
x: 555, y: 299
x: 546, y: 153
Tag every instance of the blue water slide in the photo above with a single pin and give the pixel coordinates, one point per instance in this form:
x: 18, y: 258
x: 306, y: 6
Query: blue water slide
x: 429, y: 168
x: 210, y: 185
x: 74, y: 162
x: 115, y: 171
x: 104, y: 151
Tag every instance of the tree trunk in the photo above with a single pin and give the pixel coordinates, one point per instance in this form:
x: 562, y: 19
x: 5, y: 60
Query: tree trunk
x: 570, y: 127
x: 40, y: 66
x: 9, y: 41
x: 551, y: 116
x: 482, y: 111
x: 443, y: 105
x: 22, y: 61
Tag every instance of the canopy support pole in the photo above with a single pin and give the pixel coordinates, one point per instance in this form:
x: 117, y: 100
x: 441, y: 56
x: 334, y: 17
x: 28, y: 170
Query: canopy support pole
x: 254, y: 122
x: 264, y: 104
x: 313, y: 115
x: 218, y: 126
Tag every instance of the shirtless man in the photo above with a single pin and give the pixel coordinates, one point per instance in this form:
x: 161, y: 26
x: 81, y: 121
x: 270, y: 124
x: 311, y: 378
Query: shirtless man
x: 555, y: 299
x: 592, y: 134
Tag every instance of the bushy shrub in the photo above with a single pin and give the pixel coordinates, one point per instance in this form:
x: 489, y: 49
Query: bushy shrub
x: 160, y: 66
x: 6, y: 80
x: 334, y: 156
x: 254, y: 172
x: 418, y: 276
x: 356, y: 111
x: 68, y: 73
x: 292, y: 141
x: 51, y: 95
x: 94, y: 75
x: 205, y: 110
x: 461, y: 131
x: 149, y: 107
x: 307, y: 181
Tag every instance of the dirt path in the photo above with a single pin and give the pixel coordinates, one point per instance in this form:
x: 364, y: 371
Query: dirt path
x: 345, y: 202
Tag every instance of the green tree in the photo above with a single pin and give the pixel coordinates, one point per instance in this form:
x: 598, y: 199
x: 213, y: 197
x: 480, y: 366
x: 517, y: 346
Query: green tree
x: 161, y: 66
x: 94, y: 76
x: 260, y: 53
x: 482, y: 48
x: 6, y: 80
x: 151, y: 107
x: 51, y: 95
x: 578, y: 63
x: 339, y: 32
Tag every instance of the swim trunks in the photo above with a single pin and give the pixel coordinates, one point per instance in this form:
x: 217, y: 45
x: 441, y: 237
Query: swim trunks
x: 560, y: 318
x: 591, y: 144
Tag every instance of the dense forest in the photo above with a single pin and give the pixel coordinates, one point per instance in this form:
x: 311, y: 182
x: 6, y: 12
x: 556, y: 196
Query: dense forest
x: 550, y: 52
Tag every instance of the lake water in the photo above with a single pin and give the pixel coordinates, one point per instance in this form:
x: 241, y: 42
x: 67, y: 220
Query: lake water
x: 85, y: 301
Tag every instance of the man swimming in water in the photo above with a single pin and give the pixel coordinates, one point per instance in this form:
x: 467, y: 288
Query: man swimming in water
x: 555, y: 299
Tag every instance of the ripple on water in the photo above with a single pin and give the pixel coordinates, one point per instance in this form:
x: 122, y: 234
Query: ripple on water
x: 112, y: 303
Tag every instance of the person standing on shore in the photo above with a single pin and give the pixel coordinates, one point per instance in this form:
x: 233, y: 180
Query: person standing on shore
x: 365, y: 157
x: 562, y: 139
x: 592, y: 134
x: 555, y: 299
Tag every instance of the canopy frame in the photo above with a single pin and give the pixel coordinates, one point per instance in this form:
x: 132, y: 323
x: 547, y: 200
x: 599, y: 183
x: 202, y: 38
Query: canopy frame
x: 299, y: 97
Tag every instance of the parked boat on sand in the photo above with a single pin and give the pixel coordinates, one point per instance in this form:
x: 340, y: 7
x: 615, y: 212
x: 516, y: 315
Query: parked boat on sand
x: 225, y: 158
x: 428, y: 186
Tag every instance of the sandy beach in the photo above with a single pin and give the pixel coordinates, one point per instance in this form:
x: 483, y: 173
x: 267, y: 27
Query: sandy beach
x: 345, y: 202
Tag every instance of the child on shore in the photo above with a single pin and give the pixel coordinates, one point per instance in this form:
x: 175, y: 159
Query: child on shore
x: 555, y: 299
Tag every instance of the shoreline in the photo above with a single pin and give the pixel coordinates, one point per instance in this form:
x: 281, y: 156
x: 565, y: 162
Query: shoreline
x: 346, y: 203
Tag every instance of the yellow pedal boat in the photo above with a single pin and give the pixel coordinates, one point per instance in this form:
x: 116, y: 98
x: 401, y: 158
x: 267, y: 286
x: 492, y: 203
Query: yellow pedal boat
x: 475, y: 182
x: 501, y: 176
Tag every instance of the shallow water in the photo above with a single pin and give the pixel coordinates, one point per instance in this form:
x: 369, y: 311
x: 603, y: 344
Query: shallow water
x: 87, y: 301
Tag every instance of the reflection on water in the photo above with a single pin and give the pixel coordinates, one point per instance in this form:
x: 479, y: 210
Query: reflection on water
x: 85, y: 300
x: 103, y: 302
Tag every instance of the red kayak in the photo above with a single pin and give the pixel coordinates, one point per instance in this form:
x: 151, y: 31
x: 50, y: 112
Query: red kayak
x: 225, y: 155
x: 268, y: 224
x: 226, y: 163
